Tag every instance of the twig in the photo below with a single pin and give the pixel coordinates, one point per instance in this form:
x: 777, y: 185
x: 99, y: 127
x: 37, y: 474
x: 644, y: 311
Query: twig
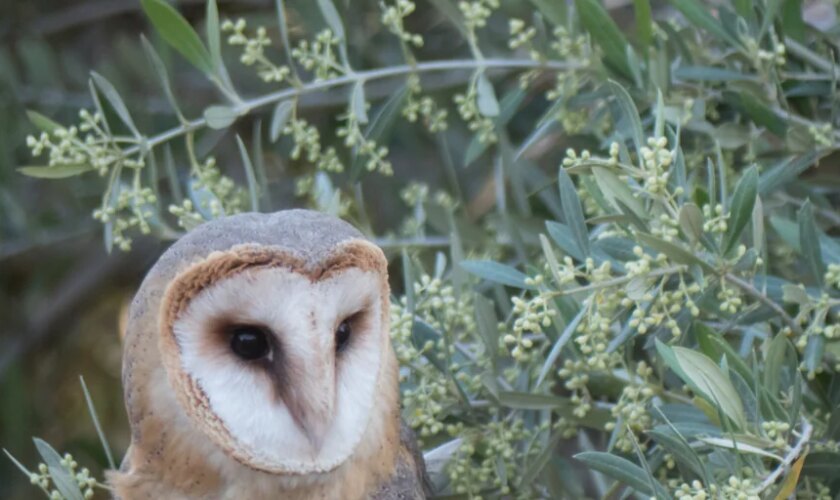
x: 360, y: 76
x: 789, y: 458
x: 617, y: 281
x: 754, y: 293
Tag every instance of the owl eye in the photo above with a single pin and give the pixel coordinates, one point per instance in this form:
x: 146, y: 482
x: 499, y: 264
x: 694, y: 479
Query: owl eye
x: 342, y: 335
x: 249, y: 342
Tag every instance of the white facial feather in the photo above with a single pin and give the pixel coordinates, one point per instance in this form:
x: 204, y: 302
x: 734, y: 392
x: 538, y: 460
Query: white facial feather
x: 304, y: 316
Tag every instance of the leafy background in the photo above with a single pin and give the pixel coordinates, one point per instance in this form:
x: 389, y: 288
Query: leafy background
x: 746, y: 125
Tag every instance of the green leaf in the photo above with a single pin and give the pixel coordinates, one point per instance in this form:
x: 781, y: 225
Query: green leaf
x: 557, y: 348
x: 573, y: 212
x: 605, y: 33
x: 676, y: 444
x: 178, y: 33
x: 630, y: 112
x: 563, y: 236
x: 496, y: 272
x: 616, y: 191
x: 488, y: 105
x: 57, y: 172
x: 674, y: 252
x: 720, y: 347
x: 213, y: 34
x: 691, y: 221
x: 253, y: 190
x: 95, y: 418
x: 61, y: 478
x: 757, y: 111
x: 487, y: 323
x: 809, y: 242
x: 163, y: 75
x: 358, y: 105
x: 644, y: 22
x: 741, y: 208
x: 115, y: 101
x: 622, y: 470
x: 742, y: 447
x: 330, y: 14
x: 778, y: 351
x: 785, y: 171
x: 554, y: 11
x: 43, y: 123
x: 279, y: 117
x: 698, y: 14
x: 792, y: 23
x: 823, y: 464
x: 710, y: 74
x: 220, y: 117
x: 708, y: 380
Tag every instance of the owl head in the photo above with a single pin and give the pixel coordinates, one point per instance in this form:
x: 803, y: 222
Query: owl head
x: 272, y: 336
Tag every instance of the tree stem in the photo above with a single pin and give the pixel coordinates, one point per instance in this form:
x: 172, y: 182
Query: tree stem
x: 375, y: 74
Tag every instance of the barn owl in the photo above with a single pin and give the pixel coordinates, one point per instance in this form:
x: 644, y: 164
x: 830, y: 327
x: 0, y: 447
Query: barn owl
x: 258, y: 364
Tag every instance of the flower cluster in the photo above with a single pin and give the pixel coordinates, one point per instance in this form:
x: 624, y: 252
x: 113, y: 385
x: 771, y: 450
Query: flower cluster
x: 45, y: 480
x: 739, y: 489
x: 253, y: 50
x: 630, y: 412
x: 656, y: 161
x: 776, y: 55
x: 482, y: 125
x: 319, y: 55
x: 715, y: 220
x: 422, y: 106
x: 373, y: 154
x: 307, y: 144
x: 476, y: 12
x: 393, y: 17
x: 522, y: 35
x: 532, y: 316
x: 694, y: 491
x: 127, y: 209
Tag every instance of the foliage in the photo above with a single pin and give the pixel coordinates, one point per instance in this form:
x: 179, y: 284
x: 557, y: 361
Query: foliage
x: 654, y: 282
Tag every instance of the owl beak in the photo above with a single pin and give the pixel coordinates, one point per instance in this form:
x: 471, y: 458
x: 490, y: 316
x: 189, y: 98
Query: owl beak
x: 311, y: 405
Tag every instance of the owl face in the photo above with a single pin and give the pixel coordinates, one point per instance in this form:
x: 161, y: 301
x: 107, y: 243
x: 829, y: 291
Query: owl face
x: 277, y: 361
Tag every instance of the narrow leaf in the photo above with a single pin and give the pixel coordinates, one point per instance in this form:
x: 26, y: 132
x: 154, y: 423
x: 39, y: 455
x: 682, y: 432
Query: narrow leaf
x: 698, y: 14
x: 358, y: 105
x: 622, y: 470
x: 741, y: 207
x: 331, y: 16
x: 279, y: 117
x: 605, y: 33
x: 220, y: 117
x: 488, y: 105
x: 43, y: 123
x: 115, y: 101
x: 572, y: 211
x: 630, y: 112
x: 253, y: 190
x: 178, y: 33
x: 57, y: 172
x: 809, y: 242
x: 707, y: 379
x: 496, y: 272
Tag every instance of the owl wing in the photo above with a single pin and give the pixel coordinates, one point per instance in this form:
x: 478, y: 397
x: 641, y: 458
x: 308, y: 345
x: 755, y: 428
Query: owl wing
x: 409, y: 480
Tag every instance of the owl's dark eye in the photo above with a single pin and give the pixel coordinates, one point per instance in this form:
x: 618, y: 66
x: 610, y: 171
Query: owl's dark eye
x: 342, y: 335
x: 249, y: 342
